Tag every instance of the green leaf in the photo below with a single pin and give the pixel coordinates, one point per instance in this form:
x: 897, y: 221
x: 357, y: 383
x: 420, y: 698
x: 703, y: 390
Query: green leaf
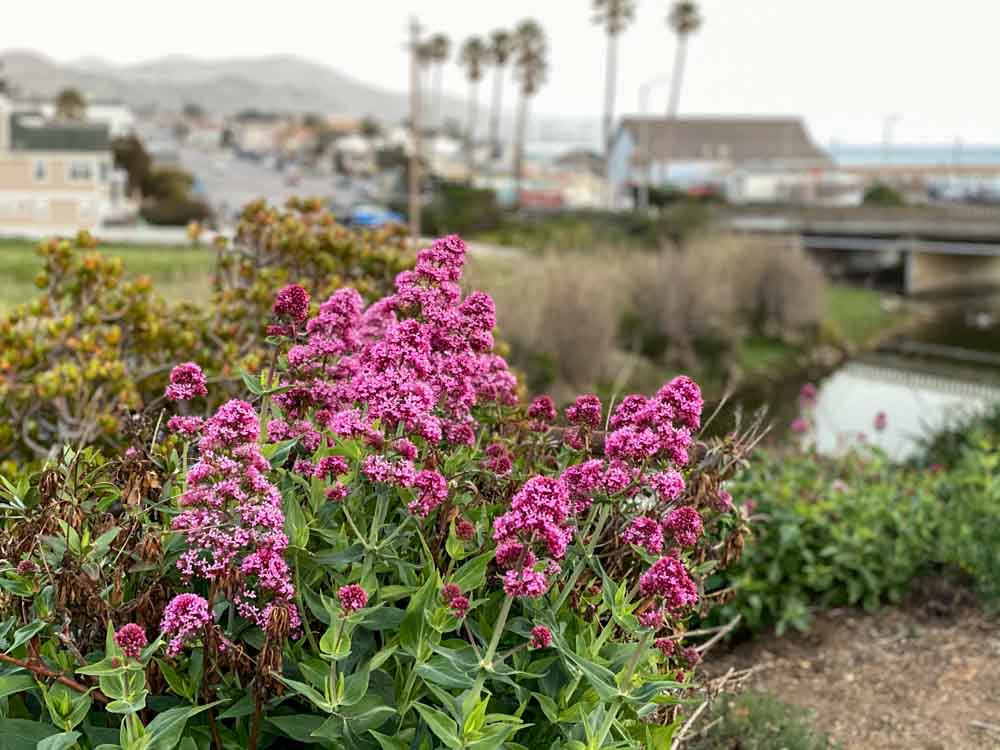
x: 252, y: 383
x: 355, y: 687
x: 494, y: 740
x: 166, y: 729
x: 242, y: 707
x: 412, y: 632
x: 389, y: 743
x: 178, y: 684
x: 330, y: 729
x: 443, y: 726
x: 309, y: 692
x: 21, y: 734
x: 25, y: 634
x: 476, y: 718
x: 298, y: 727
x: 549, y: 707
x: 442, y: 672
x: 15, y: 683
x: 61, y: 741
x: 472, y: 574
x: 105, y: 667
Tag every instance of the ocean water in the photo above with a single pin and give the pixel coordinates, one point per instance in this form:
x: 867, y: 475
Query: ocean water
x: 923, y: 155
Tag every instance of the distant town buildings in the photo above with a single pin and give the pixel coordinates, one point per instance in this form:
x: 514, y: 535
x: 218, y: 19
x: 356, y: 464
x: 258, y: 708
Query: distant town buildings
x: 749, y: 159
x: 56, y: 176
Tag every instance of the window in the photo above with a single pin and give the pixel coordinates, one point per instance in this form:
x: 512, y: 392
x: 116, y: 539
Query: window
x: 8, y: 208
x: 87, y: 208
x: 42, y: 209
x: 105, y: 171
x: 40, y: 171
x: 80, y: 171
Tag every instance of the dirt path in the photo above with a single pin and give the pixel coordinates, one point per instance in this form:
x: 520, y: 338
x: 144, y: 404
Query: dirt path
x: 917, y: 677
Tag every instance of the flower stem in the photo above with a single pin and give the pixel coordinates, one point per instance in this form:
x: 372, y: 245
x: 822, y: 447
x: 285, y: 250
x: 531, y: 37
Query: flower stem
x: 497, y: 632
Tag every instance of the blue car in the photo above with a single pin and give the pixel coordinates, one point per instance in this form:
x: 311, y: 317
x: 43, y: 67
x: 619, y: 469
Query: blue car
x: 373, y: 216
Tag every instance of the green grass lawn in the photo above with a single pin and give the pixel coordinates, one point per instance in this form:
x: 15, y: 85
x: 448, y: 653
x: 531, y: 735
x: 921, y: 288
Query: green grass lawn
x: 857, y: 314
x: 180, y: 274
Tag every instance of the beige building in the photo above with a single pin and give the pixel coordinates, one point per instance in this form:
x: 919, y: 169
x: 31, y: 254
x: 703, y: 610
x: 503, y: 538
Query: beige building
x: 56, y: 177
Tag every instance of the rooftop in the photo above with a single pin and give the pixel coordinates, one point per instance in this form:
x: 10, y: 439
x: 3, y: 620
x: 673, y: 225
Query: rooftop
x: 32, y: 132
x: 739, y: 140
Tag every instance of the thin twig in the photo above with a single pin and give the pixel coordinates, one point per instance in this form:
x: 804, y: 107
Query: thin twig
x: 720, y: 635
x: 43, y: 671
x: 679, y: 737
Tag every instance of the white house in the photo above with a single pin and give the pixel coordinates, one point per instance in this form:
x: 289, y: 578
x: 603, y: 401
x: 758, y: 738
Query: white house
x: 768, y: 155
x: 56, y: 177
x: 117, y: 116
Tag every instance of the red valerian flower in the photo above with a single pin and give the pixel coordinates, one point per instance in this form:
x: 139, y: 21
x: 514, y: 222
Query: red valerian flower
x: 352, y: 597
x: 131, y: 639
x: 186, y: 381
x: 292, y: 302
x: 540, y: 637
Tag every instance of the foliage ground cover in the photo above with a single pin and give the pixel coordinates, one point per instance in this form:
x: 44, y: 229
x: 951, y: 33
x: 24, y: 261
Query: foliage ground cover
x: 858, y: 531
x: 371, y: 543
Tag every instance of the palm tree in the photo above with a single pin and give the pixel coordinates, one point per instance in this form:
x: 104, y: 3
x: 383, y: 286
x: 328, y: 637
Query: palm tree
x: 439, y: 49
x: 70, y: 105
x: 501, y: 48
x: 614, y: 16
x: 530, y: 67
x: 684, y: 19
x: 472, y: 57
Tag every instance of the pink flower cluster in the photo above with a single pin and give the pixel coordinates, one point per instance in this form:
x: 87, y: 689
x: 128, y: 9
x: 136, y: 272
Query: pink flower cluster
x: 352, y: 597
x: 538, y: 518
x: 292, y: 303
x: 452, y: 596
x: 184, y: 618
x: 540, y: 637
x: 186, y: 382
x: 684, y: 525
x: 668, y: 580
x: 657, y: 428
x: 232, y: 517
x: 131, y: 639
x: 430, y: 487
x: 419, y: 359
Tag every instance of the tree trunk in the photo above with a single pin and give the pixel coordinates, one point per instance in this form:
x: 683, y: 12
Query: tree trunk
x: 495, y: 114
x: 610, y: 76
x: 678, y: 78
x: 522, y: 122
x: 470, y: 128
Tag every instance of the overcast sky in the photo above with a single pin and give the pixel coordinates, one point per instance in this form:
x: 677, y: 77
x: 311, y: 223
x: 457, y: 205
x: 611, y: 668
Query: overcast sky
x: 846, y: 66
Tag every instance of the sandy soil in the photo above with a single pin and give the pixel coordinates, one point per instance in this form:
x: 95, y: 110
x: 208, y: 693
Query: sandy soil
x: 921, y: 676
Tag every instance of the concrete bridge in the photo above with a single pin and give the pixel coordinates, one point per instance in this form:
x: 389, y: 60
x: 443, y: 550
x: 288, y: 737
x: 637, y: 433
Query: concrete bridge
x: 933, y: 253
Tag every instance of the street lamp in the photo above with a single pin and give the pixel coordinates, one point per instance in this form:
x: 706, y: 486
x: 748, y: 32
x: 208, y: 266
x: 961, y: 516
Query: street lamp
x: 644, y: 90
x: 887, y: 127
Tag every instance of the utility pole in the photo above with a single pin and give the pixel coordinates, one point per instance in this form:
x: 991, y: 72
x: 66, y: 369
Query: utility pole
x: 646, y: 143
x: 415, y: 133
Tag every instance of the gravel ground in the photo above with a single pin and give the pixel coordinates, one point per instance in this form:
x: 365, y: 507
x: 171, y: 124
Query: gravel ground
x: 921, y: 676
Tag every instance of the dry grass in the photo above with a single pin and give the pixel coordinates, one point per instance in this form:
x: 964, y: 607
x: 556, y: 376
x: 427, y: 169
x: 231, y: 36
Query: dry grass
x: 562, y: 313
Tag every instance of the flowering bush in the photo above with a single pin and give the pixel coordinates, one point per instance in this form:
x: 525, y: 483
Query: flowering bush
x: 377, y: 547
x: 96, y: 346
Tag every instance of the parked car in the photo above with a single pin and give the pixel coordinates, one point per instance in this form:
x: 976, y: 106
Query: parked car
x: 371, y: 215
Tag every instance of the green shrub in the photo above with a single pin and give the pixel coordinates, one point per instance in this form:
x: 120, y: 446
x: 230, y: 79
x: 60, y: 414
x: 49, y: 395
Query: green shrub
x: 461, y: 209
x: 969, y: 528
x: 854, y: 532
x: 880, y: 194
x: 759, y: 721
x: 175, y: 212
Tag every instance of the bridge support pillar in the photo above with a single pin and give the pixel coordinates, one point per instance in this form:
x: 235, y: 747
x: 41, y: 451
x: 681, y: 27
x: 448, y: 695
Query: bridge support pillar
x: 939, y: 272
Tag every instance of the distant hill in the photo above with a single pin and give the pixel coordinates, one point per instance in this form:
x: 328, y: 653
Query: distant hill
x: 277, y: 83
x: 282, y: 83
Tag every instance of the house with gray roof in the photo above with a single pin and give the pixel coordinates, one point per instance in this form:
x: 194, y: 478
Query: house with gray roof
x: 712, y: 150
x: 56, y: 176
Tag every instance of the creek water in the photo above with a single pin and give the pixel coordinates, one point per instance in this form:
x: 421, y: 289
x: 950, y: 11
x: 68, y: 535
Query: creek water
x: 928, y: 379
